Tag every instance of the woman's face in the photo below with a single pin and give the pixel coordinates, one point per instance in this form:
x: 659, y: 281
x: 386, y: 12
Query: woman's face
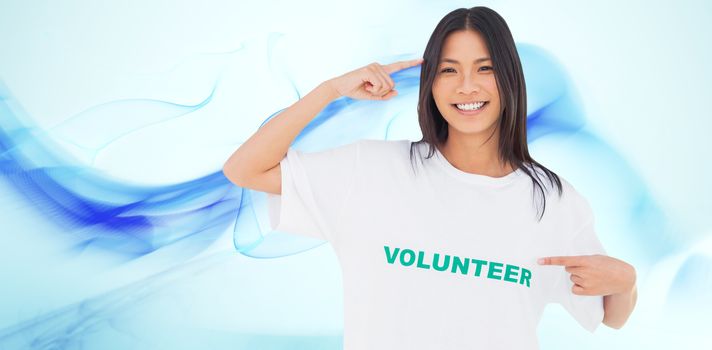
x: 465, y: 76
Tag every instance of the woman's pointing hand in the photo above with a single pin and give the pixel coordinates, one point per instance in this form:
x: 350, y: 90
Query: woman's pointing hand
x: 371, y: 82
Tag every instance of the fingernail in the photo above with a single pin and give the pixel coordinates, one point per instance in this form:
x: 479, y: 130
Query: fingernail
x: 540, y: 261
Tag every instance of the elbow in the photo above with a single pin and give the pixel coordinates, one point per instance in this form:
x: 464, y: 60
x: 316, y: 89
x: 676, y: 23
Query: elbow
x: 228, y: 175
x: 612, y: 325
x: 615, y: 324
x: 229, y: 172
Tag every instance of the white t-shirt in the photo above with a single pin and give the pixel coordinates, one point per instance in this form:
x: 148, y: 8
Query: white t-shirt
x: 437, y: 258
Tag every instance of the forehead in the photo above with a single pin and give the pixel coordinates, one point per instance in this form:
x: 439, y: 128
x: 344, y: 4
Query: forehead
x: 464, y: 46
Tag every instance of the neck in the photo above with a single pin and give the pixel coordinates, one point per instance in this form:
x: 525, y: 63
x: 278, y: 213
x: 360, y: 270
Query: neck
x: 472, y: 154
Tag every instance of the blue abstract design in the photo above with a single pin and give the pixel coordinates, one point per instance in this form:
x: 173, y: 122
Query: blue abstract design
x: 91, y: 260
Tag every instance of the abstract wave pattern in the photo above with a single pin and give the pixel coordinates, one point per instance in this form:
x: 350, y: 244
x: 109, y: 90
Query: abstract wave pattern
x: 84, y: 212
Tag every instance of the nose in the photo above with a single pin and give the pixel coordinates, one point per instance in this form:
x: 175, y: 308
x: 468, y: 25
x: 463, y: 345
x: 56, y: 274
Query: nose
x: 468, y: 86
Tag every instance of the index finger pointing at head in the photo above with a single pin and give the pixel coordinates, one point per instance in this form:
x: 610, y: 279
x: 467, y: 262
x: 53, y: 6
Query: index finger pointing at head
x: 396, y: 66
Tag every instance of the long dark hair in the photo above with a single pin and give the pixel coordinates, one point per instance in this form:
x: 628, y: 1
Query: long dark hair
x: 510, y: 82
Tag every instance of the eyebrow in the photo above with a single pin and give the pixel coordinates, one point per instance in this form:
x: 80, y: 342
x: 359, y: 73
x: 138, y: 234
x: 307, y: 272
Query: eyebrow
x: 481, y: 59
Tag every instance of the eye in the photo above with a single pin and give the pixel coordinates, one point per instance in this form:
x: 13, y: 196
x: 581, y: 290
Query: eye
x: 489, y: 67
x: 446, y: 69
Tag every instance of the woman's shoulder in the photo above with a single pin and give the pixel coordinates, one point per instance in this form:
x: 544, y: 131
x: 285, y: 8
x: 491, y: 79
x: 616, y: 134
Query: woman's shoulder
x: 549, y: 179
x: 570, y: 200
x: 382, y: 148
x: 385, y: 156
x: 383, y: 144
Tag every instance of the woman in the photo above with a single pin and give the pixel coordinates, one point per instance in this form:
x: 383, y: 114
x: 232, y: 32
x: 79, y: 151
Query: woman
x: 441, y: 251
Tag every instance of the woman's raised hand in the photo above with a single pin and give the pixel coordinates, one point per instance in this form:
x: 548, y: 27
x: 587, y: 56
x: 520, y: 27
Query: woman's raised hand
x: 371, y: 82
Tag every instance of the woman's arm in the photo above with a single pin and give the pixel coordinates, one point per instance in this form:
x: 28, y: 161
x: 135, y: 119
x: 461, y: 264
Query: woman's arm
x: 619, y: 307
x: 255, y: 164
x: 604, y: 275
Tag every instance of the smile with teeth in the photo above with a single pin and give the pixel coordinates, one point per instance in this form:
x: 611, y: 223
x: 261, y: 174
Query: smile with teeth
x: 470, y: 106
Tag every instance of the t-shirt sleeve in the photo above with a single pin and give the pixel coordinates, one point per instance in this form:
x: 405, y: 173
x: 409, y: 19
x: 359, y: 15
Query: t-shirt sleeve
x: 315, y: 187
x: 586, y: 309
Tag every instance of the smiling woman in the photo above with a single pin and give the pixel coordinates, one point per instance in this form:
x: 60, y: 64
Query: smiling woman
x: 473, y: 103
x: 466, y: 86
x: 472, y: 196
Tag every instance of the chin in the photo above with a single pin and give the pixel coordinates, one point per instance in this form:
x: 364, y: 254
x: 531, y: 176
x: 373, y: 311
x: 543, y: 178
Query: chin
x: 471, y: 126
x: 469, y: 130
